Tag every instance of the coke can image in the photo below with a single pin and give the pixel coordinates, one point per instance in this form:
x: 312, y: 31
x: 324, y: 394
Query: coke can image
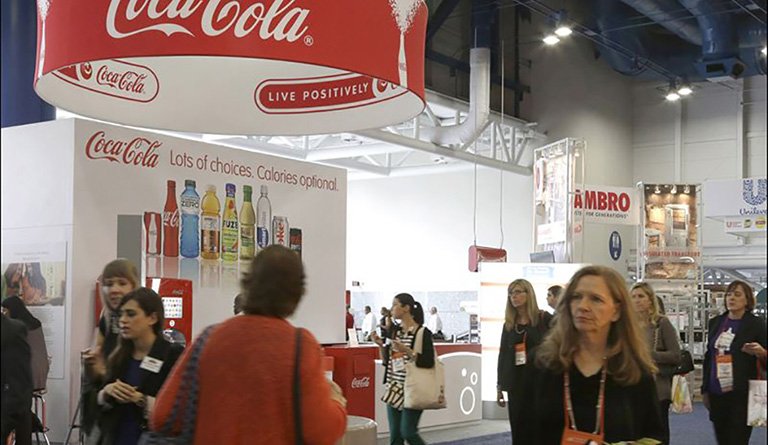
x: 296, y: 241
x: 153, y: 233
x: 280, y: 231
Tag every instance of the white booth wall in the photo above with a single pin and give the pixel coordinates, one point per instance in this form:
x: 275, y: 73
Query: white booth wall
x: 717, y: 133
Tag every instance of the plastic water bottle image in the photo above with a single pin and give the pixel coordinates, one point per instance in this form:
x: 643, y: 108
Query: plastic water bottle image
x: 190, y: 220
x: 263, y: 219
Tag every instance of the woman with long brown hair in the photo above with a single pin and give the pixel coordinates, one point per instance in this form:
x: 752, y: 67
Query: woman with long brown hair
x: 136, y: 369
x: 524, y: 327
x: 664, y: 342
x: 594, y: 360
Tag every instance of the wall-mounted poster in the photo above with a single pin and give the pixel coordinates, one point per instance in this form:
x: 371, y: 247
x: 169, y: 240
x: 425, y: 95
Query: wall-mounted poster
x: 37, y: 273
x: 670, y: 249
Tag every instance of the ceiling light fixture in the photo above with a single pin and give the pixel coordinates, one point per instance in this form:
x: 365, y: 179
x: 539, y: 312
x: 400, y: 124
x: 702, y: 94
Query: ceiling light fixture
x: 657, y: 190
x: 550, y: 39
x: 674, y: 189
x: 764, y: 51
x: 687, y: 189
x: 672, y: 96
x: 563, y: 31
x: 685, y: 90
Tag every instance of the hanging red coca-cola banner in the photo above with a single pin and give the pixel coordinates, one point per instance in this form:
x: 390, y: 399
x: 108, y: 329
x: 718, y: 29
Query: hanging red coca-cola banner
x: 234, y: 66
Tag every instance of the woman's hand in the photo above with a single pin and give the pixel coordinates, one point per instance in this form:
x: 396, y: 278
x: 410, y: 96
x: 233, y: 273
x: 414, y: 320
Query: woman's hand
x: 94, y: 362
x: 336, y: 394
x: 754, y: 348
x: 500, y: 398
x: 122, y: 392
x: 376, y: 339
x: 399, y: 346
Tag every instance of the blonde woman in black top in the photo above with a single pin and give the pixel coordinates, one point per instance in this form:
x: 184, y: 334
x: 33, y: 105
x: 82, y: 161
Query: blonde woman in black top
x: 663, y: 341
x: 524, y: 328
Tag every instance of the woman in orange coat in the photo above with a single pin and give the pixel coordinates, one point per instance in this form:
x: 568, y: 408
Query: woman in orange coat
x: 246, y: 368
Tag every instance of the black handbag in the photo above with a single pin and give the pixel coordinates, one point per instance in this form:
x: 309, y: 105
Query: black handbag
x: 683, y: 367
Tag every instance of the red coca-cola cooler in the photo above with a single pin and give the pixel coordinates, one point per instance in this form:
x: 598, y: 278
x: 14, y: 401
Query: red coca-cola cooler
x: 354, y: 371
x: 177, y: 302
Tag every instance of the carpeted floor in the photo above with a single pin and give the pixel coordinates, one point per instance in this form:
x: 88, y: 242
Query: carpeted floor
x: 686, y: 429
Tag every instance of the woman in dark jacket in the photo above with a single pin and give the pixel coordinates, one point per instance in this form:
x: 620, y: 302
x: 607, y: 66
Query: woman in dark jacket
x: 736, y: 342
x: 524, y: 328
x: 136, y: 369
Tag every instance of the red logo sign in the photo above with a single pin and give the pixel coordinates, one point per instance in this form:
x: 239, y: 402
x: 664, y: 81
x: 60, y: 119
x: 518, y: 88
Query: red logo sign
x: 138, y: 151
x: 115, y: 78
x: 362, y: 382
x: 599, y: 200
x: 293, y: 96
x: 277, y: 21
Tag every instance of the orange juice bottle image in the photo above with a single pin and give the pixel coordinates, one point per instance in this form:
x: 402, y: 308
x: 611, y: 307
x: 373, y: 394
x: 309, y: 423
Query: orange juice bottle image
x: 210, y: 225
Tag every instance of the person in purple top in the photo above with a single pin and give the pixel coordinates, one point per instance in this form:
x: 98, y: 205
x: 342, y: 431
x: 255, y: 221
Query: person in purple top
x: 736, y: 343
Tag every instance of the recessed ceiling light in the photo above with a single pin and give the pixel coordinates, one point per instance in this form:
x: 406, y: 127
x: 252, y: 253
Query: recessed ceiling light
x: 685, y: 90
x: 672, y: 96
x: 551, y: 39
x: 563, y: 31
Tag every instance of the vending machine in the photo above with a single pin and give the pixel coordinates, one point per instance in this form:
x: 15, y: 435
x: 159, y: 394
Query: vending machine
x: 177, y: 302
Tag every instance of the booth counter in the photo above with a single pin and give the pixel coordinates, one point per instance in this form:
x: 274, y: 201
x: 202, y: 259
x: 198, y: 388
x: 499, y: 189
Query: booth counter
x: 358, y: 371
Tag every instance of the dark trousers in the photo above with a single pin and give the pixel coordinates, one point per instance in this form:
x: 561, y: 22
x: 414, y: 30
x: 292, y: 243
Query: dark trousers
x: 520, y: 434
x: 728, y: 413
x: 404, y: 426
x: 664, y: 411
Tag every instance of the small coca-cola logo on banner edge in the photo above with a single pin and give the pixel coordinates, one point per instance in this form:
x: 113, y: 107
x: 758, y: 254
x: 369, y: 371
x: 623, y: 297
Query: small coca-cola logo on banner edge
x: 315, y: 94
x: 116, y: 78
x: 137, y: 151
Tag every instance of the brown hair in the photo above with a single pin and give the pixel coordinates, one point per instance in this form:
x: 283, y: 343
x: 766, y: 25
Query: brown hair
x: 748, y: 292
x: 531, y: 307
x: 646, y: 289
x: 274, y: 284
x: 121, y: 268
x: 149, y: 302
x: 627, y: 353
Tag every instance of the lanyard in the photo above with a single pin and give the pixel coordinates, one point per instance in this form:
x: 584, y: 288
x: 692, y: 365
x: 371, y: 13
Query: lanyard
x: 599, y: 407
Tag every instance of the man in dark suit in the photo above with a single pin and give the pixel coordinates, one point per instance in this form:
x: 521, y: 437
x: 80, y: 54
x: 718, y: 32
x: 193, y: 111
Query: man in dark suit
x: 16, y: 375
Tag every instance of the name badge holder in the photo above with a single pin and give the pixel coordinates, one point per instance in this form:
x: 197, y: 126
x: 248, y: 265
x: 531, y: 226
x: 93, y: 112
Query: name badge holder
x: 520, y: 355
x: 571, y: 434
x: 724, y: 361
x: 398, y: 362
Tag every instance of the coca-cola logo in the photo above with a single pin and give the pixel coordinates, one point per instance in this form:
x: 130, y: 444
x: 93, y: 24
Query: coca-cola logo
x: 279, y: 20
x: 115, y: 78
x: 171, y: 219
x: 137, y: 151
x: 362, y: 382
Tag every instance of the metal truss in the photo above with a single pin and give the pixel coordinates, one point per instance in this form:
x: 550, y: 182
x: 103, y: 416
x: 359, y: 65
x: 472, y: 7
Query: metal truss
x: 502, y: 143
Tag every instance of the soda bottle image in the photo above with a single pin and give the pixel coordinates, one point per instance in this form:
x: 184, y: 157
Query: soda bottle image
x: 210, y: 225
x: 264, y: 219
x: 247, y: 226
x: 171, y: 222
x: 230, y: 233
x: 190, y: 220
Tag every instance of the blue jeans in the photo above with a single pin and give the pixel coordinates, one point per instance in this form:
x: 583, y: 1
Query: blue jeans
x: 404, y: 426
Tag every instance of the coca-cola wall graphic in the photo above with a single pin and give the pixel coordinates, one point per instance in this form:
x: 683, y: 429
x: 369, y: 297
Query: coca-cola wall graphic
x: 246, y: 67
x: 206, y: 211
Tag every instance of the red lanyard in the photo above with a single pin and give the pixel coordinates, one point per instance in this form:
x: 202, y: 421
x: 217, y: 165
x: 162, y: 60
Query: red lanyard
x: 570, y: 420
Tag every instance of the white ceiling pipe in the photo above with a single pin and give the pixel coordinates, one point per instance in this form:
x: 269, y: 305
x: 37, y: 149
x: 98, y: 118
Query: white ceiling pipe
x: 479, y: 104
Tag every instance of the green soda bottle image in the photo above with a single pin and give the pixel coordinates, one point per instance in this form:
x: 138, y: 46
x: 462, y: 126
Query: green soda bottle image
x: 247, y: 226
x: 230, y: 227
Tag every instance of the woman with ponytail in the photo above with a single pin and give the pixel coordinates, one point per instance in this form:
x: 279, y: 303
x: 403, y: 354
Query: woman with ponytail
x: 404, y: 422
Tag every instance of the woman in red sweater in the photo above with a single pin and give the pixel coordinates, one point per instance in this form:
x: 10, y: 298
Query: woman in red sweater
x: 246, y: 368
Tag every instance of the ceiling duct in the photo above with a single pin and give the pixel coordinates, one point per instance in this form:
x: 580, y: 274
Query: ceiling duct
x: 667, y: 14
x: 730, y: 44
x: 483, y: 13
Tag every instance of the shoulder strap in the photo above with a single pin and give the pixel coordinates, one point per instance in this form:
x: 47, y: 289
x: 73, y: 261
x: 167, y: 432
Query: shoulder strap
x: 418, y: 340
x: 298, y: 430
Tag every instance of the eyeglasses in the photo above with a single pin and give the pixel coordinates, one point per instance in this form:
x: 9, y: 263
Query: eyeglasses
x: 517, y: 292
